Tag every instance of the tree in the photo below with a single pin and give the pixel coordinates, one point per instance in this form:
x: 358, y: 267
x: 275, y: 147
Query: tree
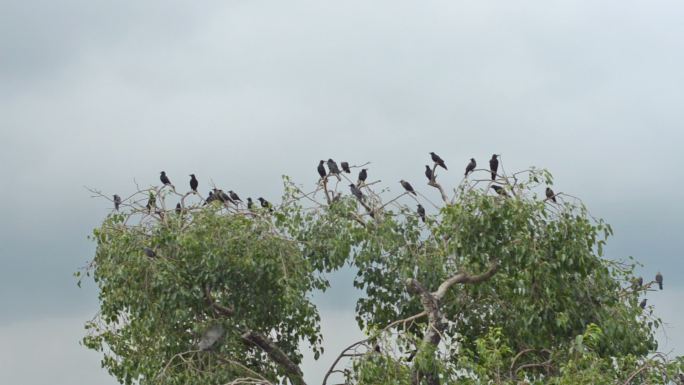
x: 496, y: 287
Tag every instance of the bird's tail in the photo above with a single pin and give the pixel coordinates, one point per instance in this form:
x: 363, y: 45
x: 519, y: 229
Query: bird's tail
x: 493, y: 175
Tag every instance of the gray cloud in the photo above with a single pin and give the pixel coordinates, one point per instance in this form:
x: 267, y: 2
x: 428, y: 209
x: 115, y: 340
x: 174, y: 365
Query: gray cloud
x: 98, y: 93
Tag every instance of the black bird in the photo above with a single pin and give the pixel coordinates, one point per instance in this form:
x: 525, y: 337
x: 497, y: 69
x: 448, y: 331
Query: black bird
x: 640, y: 281
x: 428, y: 173
x: 193, y: 183
x: 332, y: 167
x: 117, y: 202
x: 407, y: 186
x: 421, y: 212
x: 500, y: 190
x: 234, y: 196
x: 179, y: 208
x: 356, y: 192
x: 210, y: 198
x: 223, y: 197
x: 471, y: 166
x: 149, y: 252
x: 321, y: 169
x: 438, y: 160
x: 643, y: 304
x: 493, y: 166
x: 551, y: 195
x: 363, y: 174
x: 345, y: 167
x: 659, y: 280
x: 265, y: 204
x: 250, y: 204
x: 164, y: 179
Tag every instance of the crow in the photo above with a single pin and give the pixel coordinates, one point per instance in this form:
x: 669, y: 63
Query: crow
x: 551, y: 195
x: 234, y: 196
x: 345, y: 167
x: 493, y: 166
x: 210, y: 337
x: 332, y: 167
x: 356, y: 192
x: 471, y: 166
x: 149, y: 252
x: 500, y: 190
x: 193, y: 183
x: 659, y: 280
x: 265, y: 204
x: 210, y: 198
x: 643, y: 304
x: 164, y: 179
x: 117, y: 202
x: 438, y: 160
x: 151, y: 202
x: 428, y: 173
x: 421, y: 212
x: 640, y: 281
x: 179, y: 208
x: 363, y: 174
x: 407, y: 186
x: 250, y: 204
x: 321, y: 169
x: 223, y: 197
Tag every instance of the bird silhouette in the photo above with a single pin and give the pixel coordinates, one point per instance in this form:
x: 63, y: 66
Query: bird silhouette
x: 640, y: 281
x: 659, y: 280
x: 428, y: 173
x: 643, y: 303
x: 321, y: 169
x: 345, y: 167
x: 439, y: 161
x: 407, y: 186
x: 356, y: 192
x: 265, y: 204
x: 471, y: 166
x: 500, y: 190
x: 117, y: 202
x: 234, y: 196
x: 193, y: 183
x: 363, y: 174
x: 149, y: 252
x: 210, y: 198
x: 179, y: 208
x: 551, y: 195
x: 250, y: 204
x: 164, y: 179
x: 421, y: 212
x: 333, y: 169
x: 493, y: 166
x: 151, y: 202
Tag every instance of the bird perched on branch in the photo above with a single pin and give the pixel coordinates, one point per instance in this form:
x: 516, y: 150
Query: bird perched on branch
x: 265, y: 204
x: 179, y: 208
x: 117, y: 202
x: 643, y: 303
x: 640, y: 281
x: 493, y: 166
x: 223, y: 197
x: 659, y: 280
x: 407, y: 186
x: 164, y: 179
x: 471, y: 166
x: 210, y: 198
x: 500, y: 190
x: 421, y: 212
x: 363, y: 174
x: 149, y: 252
x: 356, y: 192
x: 234, y: 196
x: 151, y: 202
x: 333, y: 169
x: 321, y: 169
x: 429, y: 174
x: 551, y: 195
x: 345, y: 167
x: 439, y: 161
x: 193, y: 183
x: 210, y: 337
x: 250, y: 204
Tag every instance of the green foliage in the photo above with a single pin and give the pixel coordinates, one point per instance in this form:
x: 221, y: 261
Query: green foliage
x: 555, y: 311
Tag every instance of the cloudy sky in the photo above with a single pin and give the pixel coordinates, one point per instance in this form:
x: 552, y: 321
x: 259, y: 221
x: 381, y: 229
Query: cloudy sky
x: 100, y: 93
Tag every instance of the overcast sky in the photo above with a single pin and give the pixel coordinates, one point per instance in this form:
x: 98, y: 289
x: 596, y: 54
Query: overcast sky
x: 98, y: 93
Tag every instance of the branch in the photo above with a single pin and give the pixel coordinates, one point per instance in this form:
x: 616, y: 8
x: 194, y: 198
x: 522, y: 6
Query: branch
x: 465, y: 278
x: 276, y: 355
x: 226, y: 311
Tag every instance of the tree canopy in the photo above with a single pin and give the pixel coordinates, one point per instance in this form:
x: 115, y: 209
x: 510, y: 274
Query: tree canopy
x: 495, y: 285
